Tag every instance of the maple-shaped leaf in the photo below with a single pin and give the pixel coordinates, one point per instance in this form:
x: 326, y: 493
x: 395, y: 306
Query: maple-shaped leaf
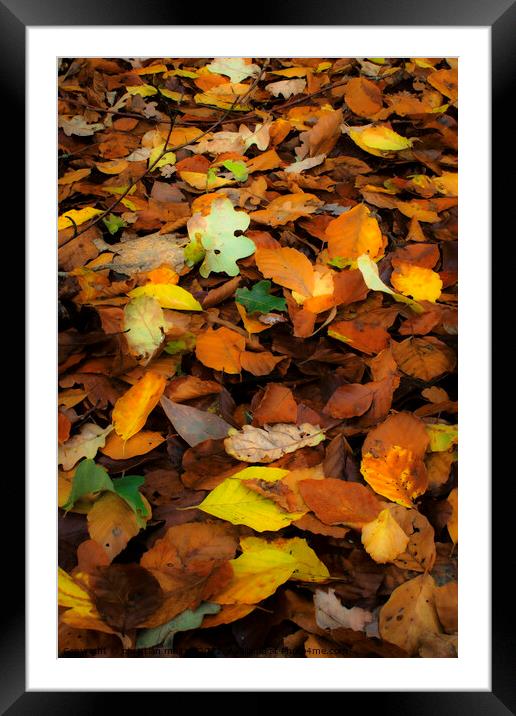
x: 259, y: 299
x: 216, y: 233
x: 236, y: 68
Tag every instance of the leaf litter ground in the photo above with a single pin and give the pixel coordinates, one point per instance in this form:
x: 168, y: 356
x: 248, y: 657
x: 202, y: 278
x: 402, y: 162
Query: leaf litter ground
x: 257, y: 414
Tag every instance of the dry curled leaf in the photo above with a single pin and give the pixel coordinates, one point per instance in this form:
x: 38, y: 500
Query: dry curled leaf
x: 270, y: 443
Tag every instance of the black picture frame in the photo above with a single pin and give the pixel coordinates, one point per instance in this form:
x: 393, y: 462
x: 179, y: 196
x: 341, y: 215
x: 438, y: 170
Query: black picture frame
x: 500, y: 16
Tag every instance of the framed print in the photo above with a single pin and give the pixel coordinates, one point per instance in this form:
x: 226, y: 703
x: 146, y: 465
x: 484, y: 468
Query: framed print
x: 125, y: 81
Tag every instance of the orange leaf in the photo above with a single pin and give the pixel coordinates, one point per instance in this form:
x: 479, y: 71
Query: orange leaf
x: 276, y: 406
x: 134, y: 407
x: 423, y: 358
x: 348, y: 401
x: 259, y: 363
x: 143, y: 442
x: 220, y: 349
x: 288, y: 207
x: 287, y: 267
x: 354, y: 233
x: 363, y: 97
x: 339, y: 502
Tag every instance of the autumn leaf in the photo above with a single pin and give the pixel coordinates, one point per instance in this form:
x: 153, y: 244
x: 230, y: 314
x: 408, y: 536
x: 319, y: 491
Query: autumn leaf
x: 268, y: 444
x: 236, y: 68
x: 339, y: 502
x: 378, y: 139
x: 85, y: 443
x: 164, y: 634
x: 354, y: 233
x: 234, y: 502
x: 423, y: 358
x: 287, y: 267
x: 330, y: 613
x: 140, y: 444
x: 363, y: 97
x: 215, y: 232
x: 131, y: 411
x: 383, y: 538
x: 286, y: 208
x: 168, y: 296
x: 194, y: 425
x: 422, y: 284
x: 144, y: 325
x: 220, y: 349
x: 409, y: 613
x: 349, y: 401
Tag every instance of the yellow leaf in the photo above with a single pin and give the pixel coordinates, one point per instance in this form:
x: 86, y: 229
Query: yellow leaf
x: 234, y: 502
x: 383, y: 538
x: 268, y: 474
x: 353, y: 233
x: 169, y: 296
x: 377, y: 139
x: 256, y: 575
x: 142, y: 90
x: 71, y: 594
x: 141, y: 443
x: 114, y: 166
x: 447, y: 184
x: 176, y: 96
x: 150, y: 70
x: 372, y: 280
x: 82, y: 613
x: 422, y: 284
x: 131, y: 411
x: 76, y: 216
x: 223, y: 101
x: 309, y: 567
x: 410, y: 613
x: 204, y: 182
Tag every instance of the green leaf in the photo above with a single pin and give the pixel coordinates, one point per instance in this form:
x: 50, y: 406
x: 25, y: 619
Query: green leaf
x: 189, y: 619
x: 113, y: 223
x: 259, y: 298
x: 194, y: 252
x: 442, y: 437
x: 238, y: 169
x: 216, y: 232
x: 127, y: 488
x: 89, y: 477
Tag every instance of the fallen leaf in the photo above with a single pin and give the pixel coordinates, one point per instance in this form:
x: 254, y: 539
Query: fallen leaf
x: 236, y: 503
x: 144, y: 325
x: 140, y: 444
x: 410, y: 613
x: 354, y: 233
x: 339, y: 502
x: 194, y: 425
x: 84, y: 444
x: 331, y: 614
x: 168, y: 296
x: 220, y: 349
x: 131, y: 411
x: 268, y: 444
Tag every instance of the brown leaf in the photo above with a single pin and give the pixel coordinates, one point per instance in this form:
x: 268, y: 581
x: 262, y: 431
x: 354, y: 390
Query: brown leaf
x: 276, y: 406
x: 126, y: 595
x: 339, y: 502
